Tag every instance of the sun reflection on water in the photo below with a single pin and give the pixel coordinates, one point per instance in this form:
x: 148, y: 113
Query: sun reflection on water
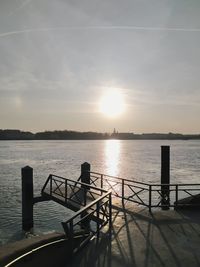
x: 112, y: 156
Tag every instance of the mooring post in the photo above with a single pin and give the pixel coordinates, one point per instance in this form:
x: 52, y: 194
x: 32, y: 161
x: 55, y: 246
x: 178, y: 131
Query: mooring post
x: 85, y: 173
x: 165, y: 177
x: 27, y: 198
x: 85, y: 178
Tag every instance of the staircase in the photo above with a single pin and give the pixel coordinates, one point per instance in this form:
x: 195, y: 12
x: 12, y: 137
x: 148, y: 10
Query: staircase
x: 92, y: 206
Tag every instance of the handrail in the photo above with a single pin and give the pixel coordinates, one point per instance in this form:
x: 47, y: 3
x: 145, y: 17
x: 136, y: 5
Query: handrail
x: 75, y: 183
x: 70, y: 193
x: 99, y: 210
x: 146, y: 194
x: 79, y: 212
x: 77, y: 198
x: 137, y: 182
x: 80, y: 183
x: 118, y: 178
x: 45, y: 184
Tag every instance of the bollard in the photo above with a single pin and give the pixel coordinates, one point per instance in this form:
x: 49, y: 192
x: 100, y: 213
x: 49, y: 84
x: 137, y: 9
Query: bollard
x: 85, y: 178
x: 165, y: 177
x: 85, y: 173
x: 27, y: 198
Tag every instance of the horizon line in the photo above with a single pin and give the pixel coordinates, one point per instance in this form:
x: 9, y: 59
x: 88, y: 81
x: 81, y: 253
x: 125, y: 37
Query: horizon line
x: 90, y: 131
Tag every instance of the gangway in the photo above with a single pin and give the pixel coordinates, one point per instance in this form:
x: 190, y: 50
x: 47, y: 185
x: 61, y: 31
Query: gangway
x: 92, y: 206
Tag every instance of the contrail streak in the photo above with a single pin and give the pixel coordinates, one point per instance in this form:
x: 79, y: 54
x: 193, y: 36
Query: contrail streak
x: 71, y: 28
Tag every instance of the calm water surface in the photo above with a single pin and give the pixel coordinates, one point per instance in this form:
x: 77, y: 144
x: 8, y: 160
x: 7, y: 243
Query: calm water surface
x: 138, y: 160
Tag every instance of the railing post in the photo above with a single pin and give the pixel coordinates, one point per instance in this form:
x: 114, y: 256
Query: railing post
x: 123, y: 192
x: 66, y: 191
x: 176, y: 201
x: 110, y: 215
x: 97, y: 207
x: 165, y: 177
x: 150, y: 196
x: 51, y: 185
x: 101, y: 180
x: 27, y: 198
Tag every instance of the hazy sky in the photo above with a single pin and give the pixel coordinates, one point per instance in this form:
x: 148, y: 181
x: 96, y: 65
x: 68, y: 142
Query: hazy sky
x: 57, y: 58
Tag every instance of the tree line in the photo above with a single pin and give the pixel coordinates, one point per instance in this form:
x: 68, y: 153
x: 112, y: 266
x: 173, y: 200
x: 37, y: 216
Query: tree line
x: 9, y: 134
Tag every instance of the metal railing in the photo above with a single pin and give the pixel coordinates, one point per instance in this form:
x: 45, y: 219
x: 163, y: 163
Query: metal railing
x: 146, y: 194
x: 90, y: 219
x: 70, y: 192
x: 93, y: 206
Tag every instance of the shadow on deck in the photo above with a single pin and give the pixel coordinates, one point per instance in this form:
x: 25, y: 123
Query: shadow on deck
x: 140, y: 238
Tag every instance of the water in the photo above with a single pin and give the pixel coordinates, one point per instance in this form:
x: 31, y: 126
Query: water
x: 138, y: 160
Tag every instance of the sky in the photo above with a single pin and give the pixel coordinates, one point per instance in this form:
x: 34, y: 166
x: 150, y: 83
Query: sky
x: 59, y: 57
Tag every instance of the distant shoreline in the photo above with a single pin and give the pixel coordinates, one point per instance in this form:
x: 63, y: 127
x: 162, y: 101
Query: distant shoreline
x: 75, y: 135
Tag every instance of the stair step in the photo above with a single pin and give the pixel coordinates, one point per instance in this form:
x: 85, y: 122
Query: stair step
x: 80, y: 232
x: 95, y: 219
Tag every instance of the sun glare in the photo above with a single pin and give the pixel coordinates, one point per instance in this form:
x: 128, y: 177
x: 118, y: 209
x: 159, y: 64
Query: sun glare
x: 112, y: 156
x: 112, y: 104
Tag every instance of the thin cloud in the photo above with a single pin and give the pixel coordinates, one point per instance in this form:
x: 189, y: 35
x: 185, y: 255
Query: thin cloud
x: 4, y: 34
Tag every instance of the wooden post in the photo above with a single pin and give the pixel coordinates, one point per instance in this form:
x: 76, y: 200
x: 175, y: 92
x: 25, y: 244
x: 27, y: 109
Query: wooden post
x: 165, y: 177
x: 85, y: 173
x: 27, y: 198
x: 85, y: 178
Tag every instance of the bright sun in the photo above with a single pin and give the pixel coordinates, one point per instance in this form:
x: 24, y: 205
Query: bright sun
x: 112, y: 104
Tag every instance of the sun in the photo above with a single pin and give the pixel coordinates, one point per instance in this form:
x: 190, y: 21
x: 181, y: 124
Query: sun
x: 112, y: 104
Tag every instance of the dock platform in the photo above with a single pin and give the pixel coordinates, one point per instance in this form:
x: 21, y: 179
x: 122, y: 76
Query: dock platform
x: 142, y: 239
x: 139, y: 239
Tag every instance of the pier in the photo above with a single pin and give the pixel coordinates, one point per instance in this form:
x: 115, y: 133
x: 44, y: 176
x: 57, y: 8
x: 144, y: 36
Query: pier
x: 104, y: 207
